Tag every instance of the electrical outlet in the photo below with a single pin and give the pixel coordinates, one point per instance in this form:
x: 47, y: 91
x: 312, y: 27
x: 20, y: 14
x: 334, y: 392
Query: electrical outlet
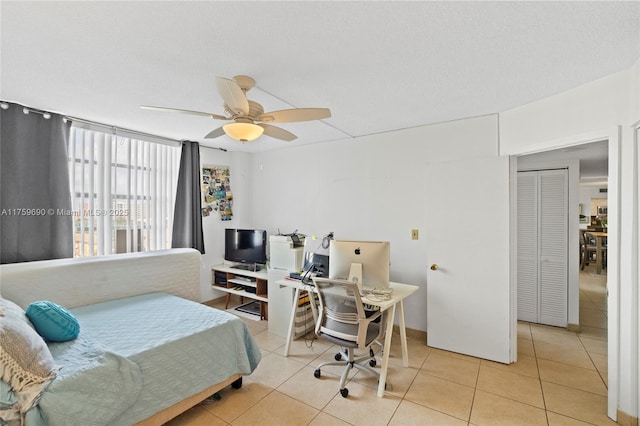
x: 414, y: 234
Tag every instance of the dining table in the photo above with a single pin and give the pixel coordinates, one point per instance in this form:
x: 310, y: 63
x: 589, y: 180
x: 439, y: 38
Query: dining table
x: 600, y: 238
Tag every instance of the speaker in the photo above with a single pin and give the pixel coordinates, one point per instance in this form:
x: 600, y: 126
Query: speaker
x: 220, y: 278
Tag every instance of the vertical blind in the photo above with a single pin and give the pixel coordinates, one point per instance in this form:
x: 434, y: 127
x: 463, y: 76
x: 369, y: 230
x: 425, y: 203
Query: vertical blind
x: 123, y: 192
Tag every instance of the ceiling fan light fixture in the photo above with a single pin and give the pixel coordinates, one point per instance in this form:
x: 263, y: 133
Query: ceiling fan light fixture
x: 243, y: 132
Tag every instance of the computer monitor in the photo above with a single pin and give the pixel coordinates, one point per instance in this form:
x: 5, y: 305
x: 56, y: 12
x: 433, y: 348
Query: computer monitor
x: 374, y: 256
x: 317, y: 264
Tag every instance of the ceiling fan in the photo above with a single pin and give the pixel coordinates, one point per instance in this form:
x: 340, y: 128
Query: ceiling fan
x: 249, y: 121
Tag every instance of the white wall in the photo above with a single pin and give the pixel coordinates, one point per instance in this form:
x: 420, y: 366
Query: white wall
x: 587, y: 192
x: 368, y: 188
x: 212, y: 226
x: 606, y: 108
x: 559, y: 120
x: 358, y: 189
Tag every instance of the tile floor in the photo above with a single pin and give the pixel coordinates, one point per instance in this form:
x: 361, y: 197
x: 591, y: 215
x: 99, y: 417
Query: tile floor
x: 560, y: 379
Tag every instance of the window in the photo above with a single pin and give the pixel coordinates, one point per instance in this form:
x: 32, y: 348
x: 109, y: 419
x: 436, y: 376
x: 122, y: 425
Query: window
x: 122, y: 191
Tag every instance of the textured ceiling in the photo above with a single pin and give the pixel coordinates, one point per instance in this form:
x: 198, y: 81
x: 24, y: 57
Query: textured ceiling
x: 379, y: 66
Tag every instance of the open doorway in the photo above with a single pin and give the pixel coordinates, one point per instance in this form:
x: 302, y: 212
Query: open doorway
x: 594, y: 248
x: 589, y: 184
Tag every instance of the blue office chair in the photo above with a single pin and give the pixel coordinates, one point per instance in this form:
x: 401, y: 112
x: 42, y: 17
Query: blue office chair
x: 342, y: 320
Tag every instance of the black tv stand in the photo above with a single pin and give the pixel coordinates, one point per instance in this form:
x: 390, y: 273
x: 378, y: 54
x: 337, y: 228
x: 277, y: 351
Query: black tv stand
x: 253, y: 268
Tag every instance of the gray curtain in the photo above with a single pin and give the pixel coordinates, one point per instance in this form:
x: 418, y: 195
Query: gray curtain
x: 34, y: 187
x: 187, y: 218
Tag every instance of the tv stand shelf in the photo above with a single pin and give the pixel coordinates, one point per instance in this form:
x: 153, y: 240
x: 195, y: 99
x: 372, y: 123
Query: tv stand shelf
x: 243, y: 283
x: 248, y: 268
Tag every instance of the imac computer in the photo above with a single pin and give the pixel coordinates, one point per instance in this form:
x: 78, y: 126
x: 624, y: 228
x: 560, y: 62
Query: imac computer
x: 366, y: 262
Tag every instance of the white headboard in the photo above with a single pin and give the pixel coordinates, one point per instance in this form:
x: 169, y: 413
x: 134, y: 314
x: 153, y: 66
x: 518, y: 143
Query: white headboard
x: 83, y: 281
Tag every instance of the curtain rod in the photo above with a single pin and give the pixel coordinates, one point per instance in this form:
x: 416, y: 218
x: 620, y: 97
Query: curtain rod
x: 27, y: 110
x: 47, y: 115
x: 117, y: 128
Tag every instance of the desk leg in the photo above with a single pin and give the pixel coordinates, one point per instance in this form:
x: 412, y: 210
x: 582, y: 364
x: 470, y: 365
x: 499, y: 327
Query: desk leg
x: 292, y: 322
x: 314, y: 311
x: 403, y: 336
x: 391, y: 313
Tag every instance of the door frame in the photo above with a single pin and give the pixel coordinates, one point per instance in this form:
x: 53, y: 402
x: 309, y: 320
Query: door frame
x: 613, y: 136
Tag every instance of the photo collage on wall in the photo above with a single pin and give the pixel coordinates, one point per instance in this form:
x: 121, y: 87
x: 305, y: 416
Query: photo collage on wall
x: 216, y: 191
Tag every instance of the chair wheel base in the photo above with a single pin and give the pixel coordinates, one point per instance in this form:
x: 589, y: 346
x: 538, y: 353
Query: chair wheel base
x: 316, y: 373
x: 344, y: 392
x: 338, y: 357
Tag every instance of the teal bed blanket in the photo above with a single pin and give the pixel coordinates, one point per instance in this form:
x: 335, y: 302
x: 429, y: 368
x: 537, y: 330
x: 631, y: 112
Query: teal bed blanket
x: 139, y: 355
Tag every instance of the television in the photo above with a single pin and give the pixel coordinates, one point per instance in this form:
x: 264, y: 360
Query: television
x: 248, y: 247
x: 373, y: 256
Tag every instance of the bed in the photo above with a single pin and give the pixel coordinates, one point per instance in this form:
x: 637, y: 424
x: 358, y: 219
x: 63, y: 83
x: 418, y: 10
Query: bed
x: 147, y: 350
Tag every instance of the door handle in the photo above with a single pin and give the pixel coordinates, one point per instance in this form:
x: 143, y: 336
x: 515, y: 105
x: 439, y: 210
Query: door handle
x: 434, y: 267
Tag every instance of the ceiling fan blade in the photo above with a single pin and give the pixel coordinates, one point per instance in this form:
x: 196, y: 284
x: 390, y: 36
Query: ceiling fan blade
x: 185, y: 111
x: 296, y: 114
x: 277, y: 132
x: 232, y: 95
x: 215, y: 133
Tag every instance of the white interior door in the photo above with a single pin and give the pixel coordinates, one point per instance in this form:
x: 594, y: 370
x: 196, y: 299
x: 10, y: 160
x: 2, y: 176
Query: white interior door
x: 468, y: 295
x: 528, y: 259
x: 542, y: 246
x: 553, y: 247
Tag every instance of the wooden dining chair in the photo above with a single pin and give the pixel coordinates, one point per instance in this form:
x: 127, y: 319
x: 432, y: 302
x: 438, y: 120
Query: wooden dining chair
x: 582, y: 250
x: 588, y: 248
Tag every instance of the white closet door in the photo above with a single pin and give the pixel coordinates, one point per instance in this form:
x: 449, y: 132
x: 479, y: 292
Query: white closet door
x: 553, y: 249
x: 527, y: 211
x: 542, y: 223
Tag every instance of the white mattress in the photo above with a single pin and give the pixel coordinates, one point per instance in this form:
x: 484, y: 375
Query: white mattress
x: 84, y: 281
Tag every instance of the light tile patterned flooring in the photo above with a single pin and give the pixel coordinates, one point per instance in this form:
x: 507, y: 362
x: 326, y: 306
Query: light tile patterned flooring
x: 560, y: 379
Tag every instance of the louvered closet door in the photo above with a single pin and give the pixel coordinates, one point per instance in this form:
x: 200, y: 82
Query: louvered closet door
x: 543, y: 246
x: 552, y: 247
x: 527, y: 212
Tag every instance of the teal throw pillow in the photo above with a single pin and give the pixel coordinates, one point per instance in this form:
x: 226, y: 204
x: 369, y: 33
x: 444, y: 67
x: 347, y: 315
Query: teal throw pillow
x: 53, y: 322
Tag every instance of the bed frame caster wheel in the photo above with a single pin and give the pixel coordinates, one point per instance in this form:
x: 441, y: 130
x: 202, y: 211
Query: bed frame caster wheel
x: 372, y: 363
x: 316, y: 374
x: 338, y: 357
x: 237, y: 384
x: 216, y: 396
x: 344, y: 392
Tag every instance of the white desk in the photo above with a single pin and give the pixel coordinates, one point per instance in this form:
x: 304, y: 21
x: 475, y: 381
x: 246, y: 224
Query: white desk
x: 400, y: 292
